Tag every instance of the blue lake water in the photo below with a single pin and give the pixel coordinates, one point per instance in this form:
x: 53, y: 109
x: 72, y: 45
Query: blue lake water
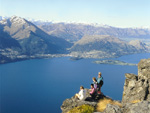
x: 41, y: 85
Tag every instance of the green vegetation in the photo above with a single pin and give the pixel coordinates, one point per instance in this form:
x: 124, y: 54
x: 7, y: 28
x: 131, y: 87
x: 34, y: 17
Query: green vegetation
x: 82, y: 109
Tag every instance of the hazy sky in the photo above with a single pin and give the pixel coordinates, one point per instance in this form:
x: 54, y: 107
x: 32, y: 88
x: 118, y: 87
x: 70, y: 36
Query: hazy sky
x: 119, y: 13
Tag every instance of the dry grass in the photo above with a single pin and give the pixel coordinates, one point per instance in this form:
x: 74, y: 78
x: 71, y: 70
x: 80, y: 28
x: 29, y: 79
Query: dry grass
x: 135, y: 101
x: 102, y: 104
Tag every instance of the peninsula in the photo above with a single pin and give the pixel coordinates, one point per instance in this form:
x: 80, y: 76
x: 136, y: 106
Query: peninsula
x: 114, y: 62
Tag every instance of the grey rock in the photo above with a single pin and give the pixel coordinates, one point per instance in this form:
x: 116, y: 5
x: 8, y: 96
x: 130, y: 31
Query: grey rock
x: 112, y: 109
x: 131, y: 76
x: 141, y: 107
x: 137, y: 87
x: 144, y: 69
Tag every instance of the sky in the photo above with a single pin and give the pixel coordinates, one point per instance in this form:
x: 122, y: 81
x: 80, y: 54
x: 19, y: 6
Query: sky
x: 117, y: 13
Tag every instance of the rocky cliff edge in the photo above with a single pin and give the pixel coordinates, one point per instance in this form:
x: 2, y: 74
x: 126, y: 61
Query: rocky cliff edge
x: 135, y: 99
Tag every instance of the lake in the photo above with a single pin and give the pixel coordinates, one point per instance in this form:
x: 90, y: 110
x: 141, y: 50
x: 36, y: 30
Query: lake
x: 41, y: 85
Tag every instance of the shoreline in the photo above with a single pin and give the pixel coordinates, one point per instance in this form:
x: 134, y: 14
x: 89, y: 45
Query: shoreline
x: 100, y: 60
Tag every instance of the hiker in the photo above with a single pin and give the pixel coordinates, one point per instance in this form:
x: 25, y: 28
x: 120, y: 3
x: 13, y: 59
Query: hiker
x: 82, y: 94
x: 92, y: 91
x: 95, y: 82
x: 99, y: 82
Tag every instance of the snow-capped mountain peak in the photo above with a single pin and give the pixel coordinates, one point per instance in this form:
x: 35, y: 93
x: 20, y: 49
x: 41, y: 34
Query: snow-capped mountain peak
x: 16, y: 19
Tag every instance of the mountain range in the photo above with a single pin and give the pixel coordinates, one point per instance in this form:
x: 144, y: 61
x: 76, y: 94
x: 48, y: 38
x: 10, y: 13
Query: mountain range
x: 74, y: 32
x: 32, y: 39
x: 23, y: 39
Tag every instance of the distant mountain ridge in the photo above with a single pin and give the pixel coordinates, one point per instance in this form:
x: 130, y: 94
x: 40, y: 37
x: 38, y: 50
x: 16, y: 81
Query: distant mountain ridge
x: 105, y: 46
x: 74, y: 32
x: 22, y: 39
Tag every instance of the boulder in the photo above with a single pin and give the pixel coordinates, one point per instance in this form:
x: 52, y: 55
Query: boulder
x: 112, y: 109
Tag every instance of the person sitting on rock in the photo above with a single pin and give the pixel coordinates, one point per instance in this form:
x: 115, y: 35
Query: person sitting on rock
x: 99, y: 82
x: 82, y: 94
x: 92, y: 91
x: 95, y: 83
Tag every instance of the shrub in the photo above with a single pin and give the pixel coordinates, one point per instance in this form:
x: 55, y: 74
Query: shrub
x: 82, y: 109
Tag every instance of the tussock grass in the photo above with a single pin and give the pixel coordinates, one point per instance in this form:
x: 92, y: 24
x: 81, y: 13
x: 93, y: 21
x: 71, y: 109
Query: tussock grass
x: 135, y: 101
x: 102, y: 104
x: 82, y: 109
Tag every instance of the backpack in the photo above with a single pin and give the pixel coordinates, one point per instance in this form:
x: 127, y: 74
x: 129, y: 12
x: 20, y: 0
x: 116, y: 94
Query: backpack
x: 95, y: 85
x: 101, y: 83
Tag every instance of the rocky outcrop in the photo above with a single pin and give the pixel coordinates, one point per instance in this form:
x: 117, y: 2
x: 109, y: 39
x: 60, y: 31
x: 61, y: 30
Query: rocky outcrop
x: 68, y: 104
x: 136, y: 94
x: 72, y: 102
x: 137, y: 87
